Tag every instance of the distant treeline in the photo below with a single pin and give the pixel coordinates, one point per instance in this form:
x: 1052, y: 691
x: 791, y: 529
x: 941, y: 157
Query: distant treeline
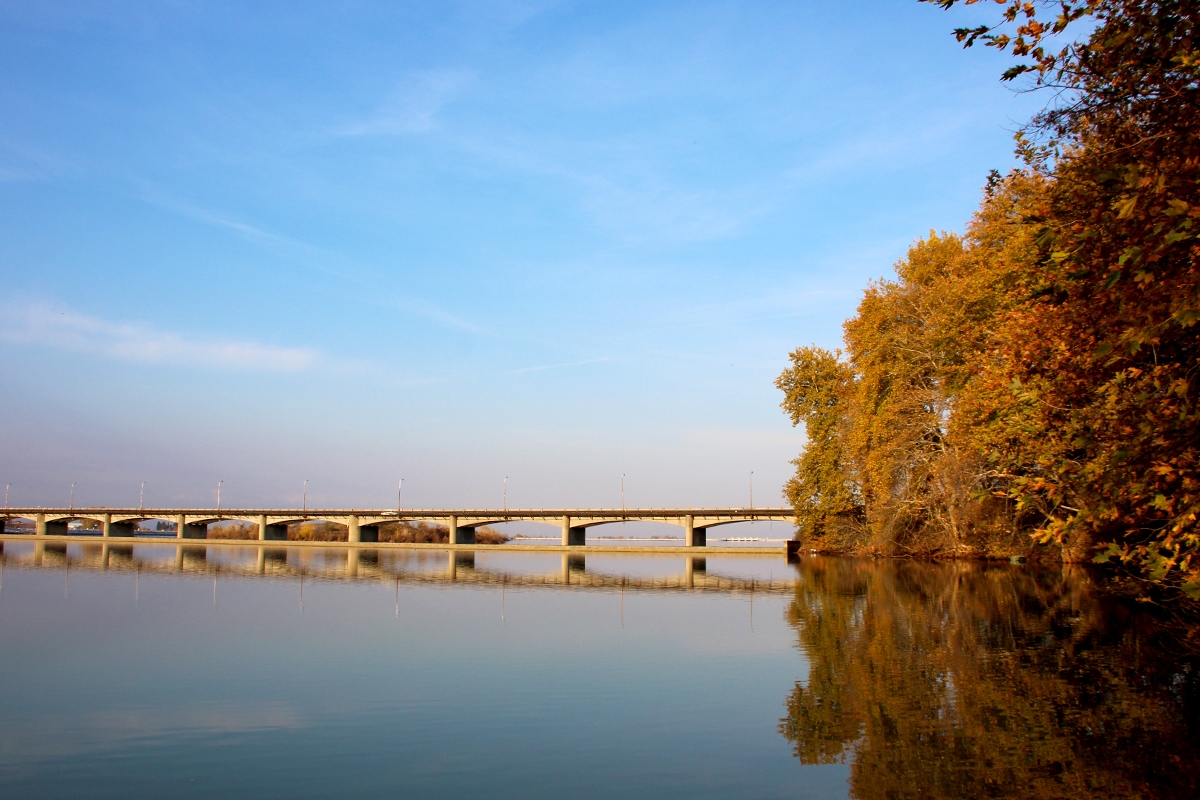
x: 321, y: 531
x: 1030, y: 387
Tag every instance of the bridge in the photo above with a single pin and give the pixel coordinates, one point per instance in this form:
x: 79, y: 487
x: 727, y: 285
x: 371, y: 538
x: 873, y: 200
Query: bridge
x: 362, y: 525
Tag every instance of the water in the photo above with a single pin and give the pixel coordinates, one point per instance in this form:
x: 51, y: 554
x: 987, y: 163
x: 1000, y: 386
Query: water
x: 199, y: 672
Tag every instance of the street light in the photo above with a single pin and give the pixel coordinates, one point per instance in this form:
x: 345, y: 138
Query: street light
x: 622, y: 494
x: 304, y: 498
x: 505, y: 494
x: 399, y: 497
x: 72, y: 505
x: 751, y: 490
x: 142, y: 496
x: 6, y: 488
x: 219, y: 496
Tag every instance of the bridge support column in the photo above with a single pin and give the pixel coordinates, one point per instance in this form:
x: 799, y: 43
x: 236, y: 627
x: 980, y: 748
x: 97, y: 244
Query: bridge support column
x: 271, y: 533
x: 111, y: 528
x: 459, y: 535
x: 693, y: 536
x: 183, y: 530
x: 572, y: 537
x: 360, y: 533
x: 51, y: 528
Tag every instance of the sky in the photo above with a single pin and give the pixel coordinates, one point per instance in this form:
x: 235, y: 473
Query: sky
x: 456, y: 242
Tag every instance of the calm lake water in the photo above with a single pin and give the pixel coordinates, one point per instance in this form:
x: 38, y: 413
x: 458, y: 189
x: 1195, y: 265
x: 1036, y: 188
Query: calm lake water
x: 197, y: 672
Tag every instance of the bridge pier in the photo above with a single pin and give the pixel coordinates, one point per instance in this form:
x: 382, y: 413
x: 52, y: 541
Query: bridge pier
x: 270, y: 533
x: 360, y: 533
x: 460, y: 535
x: 51, y: 528
x: 185, y: 531
x: 693, y: 536
x: 573, y: 537
x: 111, y: 528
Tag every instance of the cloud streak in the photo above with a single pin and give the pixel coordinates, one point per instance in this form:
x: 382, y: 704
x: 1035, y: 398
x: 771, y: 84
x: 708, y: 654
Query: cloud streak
x: 40, y: 325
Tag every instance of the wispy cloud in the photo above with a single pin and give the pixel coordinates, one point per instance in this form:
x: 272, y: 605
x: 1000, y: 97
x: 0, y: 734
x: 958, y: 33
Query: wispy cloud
x: 42, y: 325
x: 545, y: 367
x: 309, y: 254
x: 414, y: 107
x: 319, y: 259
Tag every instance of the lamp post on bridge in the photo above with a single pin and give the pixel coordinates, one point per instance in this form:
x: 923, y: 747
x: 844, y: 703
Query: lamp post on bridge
x: 6, y: 488
x: 505, y: 494
x: 400, y: 497
x: 142, y: 497
x: 622, y: 495
x: 72, y: 501
x: 752, y: 494
x: 304, y: 497
x: 219, y: 497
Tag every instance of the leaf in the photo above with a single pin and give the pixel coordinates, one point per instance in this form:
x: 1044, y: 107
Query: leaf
x: 1187, y: 317
x: 1125, y: 206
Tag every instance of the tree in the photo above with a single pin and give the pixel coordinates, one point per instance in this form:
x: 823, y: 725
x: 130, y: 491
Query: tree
x: 1104, y: 344
x: 886, y: 439
x: 824, y: 493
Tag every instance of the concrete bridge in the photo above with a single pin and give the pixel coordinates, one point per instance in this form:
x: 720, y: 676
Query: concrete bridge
x: 363, y: 524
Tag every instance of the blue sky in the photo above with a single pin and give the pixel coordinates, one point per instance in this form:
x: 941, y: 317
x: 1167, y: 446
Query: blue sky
x: 452, y: 242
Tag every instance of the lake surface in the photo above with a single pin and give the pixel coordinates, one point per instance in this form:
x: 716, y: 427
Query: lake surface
x: 155, y: 671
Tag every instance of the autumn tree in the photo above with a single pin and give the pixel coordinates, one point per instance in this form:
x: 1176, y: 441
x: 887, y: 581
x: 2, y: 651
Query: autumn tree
x: 824, y: 492
x: 1104, y: 345
x: 884, y: 418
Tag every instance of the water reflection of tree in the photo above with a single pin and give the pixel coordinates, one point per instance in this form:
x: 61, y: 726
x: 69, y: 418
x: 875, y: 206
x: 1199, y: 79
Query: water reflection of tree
x: 964, y: 680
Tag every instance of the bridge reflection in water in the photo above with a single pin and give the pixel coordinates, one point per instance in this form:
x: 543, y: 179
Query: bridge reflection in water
x: 402, y: 567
